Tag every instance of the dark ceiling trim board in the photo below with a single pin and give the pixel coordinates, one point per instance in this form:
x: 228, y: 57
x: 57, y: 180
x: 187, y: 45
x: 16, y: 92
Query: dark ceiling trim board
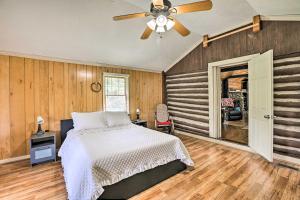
x: 237, y: 76
x: 230, y: 69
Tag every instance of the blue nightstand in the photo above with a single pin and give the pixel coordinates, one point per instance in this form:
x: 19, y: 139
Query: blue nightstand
x: 42, y: 148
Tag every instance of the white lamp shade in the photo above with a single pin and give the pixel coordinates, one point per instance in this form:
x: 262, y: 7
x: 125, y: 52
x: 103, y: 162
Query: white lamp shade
x: 161, y: 24
x: 170, y: 24
x: 39, y: 120
x: 138, y: 111
x: 151, y: 24
x: 160, y: 29
x: 161, y: 20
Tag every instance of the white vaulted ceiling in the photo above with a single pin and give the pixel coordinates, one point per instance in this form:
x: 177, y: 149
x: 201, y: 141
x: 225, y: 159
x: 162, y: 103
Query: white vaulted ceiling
x: 83, y: 30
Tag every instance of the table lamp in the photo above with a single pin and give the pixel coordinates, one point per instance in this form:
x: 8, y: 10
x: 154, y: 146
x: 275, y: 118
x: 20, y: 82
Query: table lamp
x: 39, y: 122
x: 138, y: 112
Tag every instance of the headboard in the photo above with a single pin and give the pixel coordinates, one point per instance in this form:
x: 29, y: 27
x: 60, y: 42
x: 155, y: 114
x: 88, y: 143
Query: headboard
x: 65, y: 126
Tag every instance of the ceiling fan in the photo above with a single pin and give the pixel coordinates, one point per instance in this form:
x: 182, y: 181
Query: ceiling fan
x: 162, y: 11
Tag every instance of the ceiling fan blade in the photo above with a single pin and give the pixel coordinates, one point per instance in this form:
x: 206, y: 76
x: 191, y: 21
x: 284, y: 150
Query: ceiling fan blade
x: 146, y: 33
x: 158, y: 3
x: 181, y: 29
x: 193, y: 7
x: 130, y: 16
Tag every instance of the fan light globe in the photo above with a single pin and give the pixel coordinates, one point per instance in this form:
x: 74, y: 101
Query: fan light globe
x: 160, y: 29
x: 161, y: 20
x: 170, y: 24
x: 151, y: 24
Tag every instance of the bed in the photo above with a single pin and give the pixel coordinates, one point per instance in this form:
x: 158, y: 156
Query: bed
x: 118, y: 162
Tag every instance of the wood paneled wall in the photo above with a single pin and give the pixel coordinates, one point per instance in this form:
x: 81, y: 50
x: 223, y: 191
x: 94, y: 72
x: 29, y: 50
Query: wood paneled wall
x: 284, y: 39
x: 30, y: 87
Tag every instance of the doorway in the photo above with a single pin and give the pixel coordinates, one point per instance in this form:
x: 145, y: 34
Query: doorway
x: 260, y: 101
x: 234, y: 104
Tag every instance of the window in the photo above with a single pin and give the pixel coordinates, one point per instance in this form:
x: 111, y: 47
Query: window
x: 116, y: 92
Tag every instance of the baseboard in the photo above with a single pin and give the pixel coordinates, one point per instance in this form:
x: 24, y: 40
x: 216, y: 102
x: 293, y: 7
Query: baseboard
x: 222, y: 142
x: 277, y: 157
x: 9, y: 160
x: 288, y: 159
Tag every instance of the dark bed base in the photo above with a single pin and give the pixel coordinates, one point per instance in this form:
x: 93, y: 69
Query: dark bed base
x: 136, y: 183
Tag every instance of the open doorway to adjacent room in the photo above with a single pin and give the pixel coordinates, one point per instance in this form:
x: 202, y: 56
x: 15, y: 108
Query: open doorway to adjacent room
x: 234, y: 104
x: 252, y: 102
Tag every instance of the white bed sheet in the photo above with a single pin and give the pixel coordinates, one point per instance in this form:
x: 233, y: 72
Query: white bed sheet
x: 95, y: 158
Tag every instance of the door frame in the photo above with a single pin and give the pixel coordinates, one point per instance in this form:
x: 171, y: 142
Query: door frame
x: 214, y: 91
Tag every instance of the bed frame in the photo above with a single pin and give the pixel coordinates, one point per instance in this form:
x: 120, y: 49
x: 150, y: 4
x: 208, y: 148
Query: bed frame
x: 136, y: 183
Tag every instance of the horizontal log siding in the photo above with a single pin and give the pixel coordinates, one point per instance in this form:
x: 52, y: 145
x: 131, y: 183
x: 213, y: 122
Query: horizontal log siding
x: 187, y: 99
x: 287, y: 106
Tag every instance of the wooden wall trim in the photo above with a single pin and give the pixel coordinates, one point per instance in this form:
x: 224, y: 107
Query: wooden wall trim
x: 79, y: 62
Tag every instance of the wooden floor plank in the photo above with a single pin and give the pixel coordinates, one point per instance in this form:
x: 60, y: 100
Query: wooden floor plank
x: 220, y: 173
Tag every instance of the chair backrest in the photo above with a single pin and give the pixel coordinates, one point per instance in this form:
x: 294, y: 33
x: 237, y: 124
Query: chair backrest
x: 162, y: 114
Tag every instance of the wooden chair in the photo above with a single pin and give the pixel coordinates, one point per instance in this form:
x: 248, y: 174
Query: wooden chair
x: 162, y: 118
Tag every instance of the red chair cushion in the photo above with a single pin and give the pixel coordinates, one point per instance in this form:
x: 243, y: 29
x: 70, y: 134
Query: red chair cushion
x: 164, y: 123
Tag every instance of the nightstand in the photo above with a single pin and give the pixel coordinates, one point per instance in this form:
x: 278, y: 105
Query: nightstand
x: 42, y: 148
x: 140, y: 122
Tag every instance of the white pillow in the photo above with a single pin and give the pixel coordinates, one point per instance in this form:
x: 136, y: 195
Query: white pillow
x: 117, y: 118
x: 89, y: 120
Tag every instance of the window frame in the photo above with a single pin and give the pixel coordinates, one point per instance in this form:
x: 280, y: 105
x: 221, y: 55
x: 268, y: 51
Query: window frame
x: 116, y: 75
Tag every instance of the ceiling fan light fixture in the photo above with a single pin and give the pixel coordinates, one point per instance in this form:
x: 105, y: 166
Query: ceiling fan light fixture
x: 160, y: 29
x: 152, y: 24
x: 161, y: 20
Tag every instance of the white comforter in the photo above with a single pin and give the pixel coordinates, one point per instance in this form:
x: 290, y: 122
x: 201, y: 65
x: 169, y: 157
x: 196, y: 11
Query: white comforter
x: 98, y: 157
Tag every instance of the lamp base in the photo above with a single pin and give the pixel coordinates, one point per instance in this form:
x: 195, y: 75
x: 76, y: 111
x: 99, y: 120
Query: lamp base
x: 40, y: 131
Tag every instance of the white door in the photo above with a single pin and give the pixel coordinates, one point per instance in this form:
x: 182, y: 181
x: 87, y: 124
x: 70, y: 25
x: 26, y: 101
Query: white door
x: 261, y: 104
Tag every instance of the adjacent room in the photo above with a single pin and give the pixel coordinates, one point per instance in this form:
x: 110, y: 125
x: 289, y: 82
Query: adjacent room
x: 149, y: 99
x: 234, y: 111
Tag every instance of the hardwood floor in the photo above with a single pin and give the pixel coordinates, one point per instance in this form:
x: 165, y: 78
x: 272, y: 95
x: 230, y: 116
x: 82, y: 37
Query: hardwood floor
x: 220, y: 173
x: 235, y: 134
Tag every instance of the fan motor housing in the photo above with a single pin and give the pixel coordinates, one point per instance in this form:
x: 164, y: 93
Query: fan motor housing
x: 164, y: 10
